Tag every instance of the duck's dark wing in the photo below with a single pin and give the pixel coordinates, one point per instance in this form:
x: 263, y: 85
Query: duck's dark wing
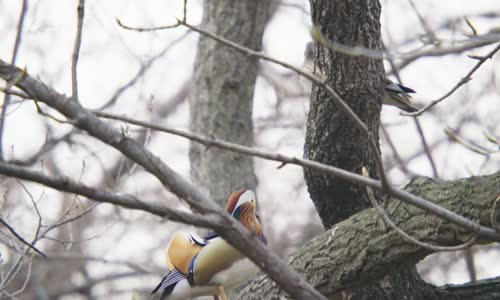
x: 167, y: 284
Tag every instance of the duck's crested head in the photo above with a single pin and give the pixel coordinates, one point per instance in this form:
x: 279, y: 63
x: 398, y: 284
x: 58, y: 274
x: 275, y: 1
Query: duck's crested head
x: 242, y: 205
x: 239, y: 198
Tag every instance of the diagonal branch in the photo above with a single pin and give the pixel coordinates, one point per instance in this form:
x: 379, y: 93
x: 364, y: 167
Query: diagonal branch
x: 13, y: 231
x: 461, y: 82
x: 348, y: 176
x: 227, y: 227
x: 65, y: 184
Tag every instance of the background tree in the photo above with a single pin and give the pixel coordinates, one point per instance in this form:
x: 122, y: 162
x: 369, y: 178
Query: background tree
x: 221, y: 104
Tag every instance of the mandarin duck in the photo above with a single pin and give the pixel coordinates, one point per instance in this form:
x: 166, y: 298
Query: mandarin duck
x: 205, y: 266
x: 394, y: 94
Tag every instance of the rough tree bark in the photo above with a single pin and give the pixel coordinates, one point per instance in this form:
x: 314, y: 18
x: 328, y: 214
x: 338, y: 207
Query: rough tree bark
x: 222, y: 99
x: 349, y: 259
x: 331, y: 137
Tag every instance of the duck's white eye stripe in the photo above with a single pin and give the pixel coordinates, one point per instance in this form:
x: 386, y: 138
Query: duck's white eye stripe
x: 246, y: 197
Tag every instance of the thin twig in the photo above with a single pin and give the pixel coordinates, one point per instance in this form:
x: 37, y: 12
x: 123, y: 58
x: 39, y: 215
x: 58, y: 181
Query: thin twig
x: 20, y: 238
x: 428, y: 30
x: 76, y: 217
x: 76, y: 50
x: 355, y: 51
x: 145, y: 29
x: 80, y: 288
x: 142, y: 70
x: 20, y: 94
x: 184, y: 11
x: 11, y: 274
x: 407, y: 237
x: 456, y: 48
x: 427, y: 150
x: 492, y: 139
x: 474, y: 31
x: 494, y: 214
x: 456, y: 138
x: 40, y: 111
x: 395, y: 152
x: 17, y: 43
x: 39, y: 225
x: 469, y: 261
x: 68, y: 257
x: 461, y: 82
x: 25, y: 283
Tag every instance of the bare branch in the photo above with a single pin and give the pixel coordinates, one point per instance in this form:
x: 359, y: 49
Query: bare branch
x: 351, y: 177
x: 15, y: 93
x: 76, y: 50
x: 395, y: 152
x: 140, y: 73
x: 145, y: 29
x: 425, y: 145
x: 128, y: 264
x: 20, y: 238
x: 469, y: 23
x: 456, y: 138
x: 461, y: 82
x: 492, y: 139
x: 407, y: 237
x: 65, y: 184
x: 494, y: 214
x: 17, y: 43
x: 79, y: 289
x: 458, y: 47
x: 428, y: 30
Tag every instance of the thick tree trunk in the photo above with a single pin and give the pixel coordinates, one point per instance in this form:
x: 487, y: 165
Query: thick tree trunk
x: 350, y: 259
x: 222, y: 99
x: 331, y: 137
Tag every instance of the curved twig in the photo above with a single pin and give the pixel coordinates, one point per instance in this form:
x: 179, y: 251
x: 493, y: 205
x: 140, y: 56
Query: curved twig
x: 408, y: 237
x: 461, y: 82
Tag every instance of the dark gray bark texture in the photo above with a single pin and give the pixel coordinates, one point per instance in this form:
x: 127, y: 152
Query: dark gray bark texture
x: 222, y: 99
x: 331, y: 137
x: 367, y: 264
x: 354, y: 258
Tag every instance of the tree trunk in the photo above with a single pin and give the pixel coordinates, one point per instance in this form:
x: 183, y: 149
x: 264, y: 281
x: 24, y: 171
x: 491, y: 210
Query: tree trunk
x: 222, y: 99
x: 331, y: 137
x: 349, y: 260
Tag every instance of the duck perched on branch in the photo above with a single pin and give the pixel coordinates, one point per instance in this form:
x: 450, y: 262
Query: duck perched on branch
x: 205, y: 266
